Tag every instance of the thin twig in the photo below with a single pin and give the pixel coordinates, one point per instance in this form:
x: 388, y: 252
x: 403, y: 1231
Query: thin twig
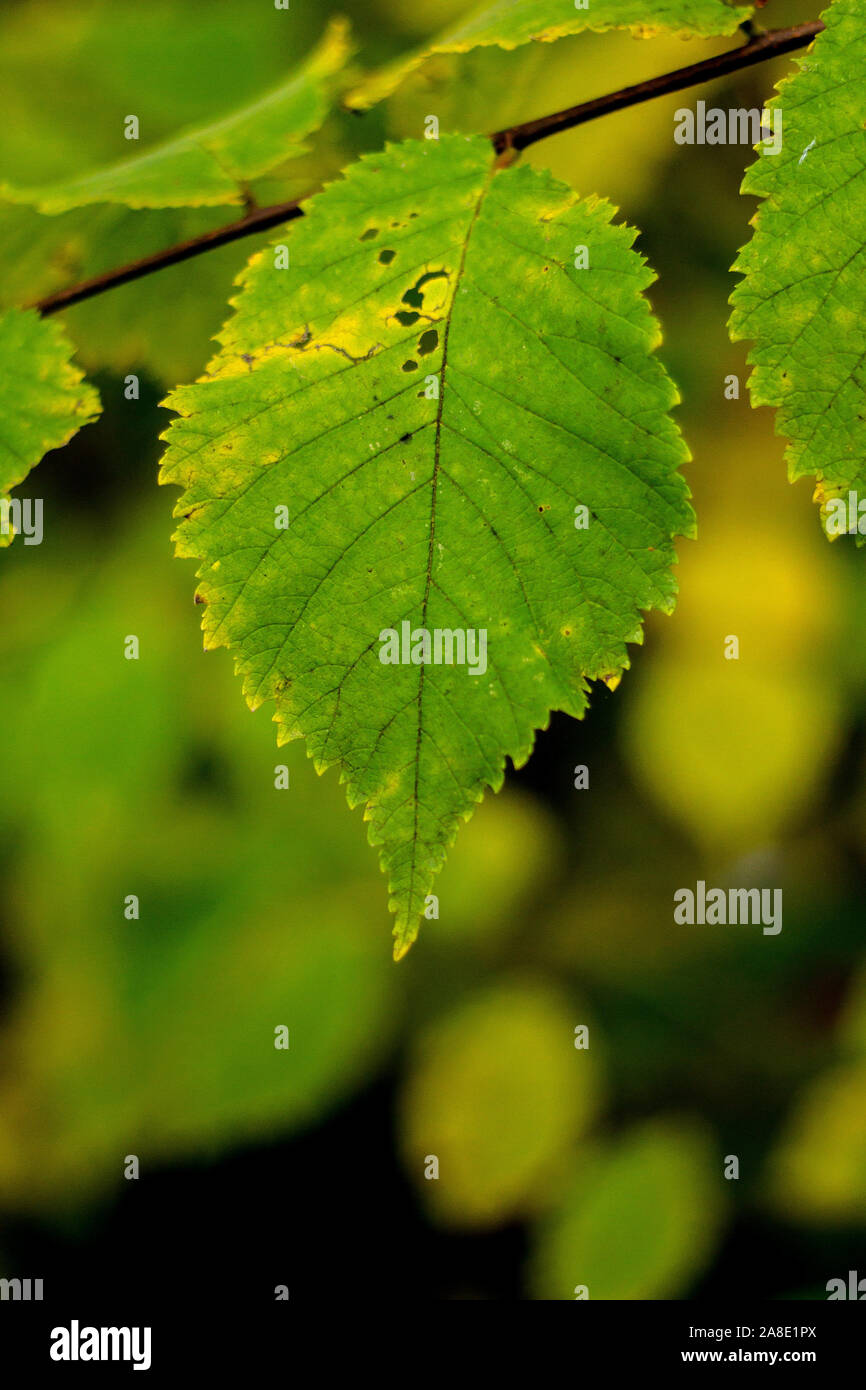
x: 516, y: 138
x: 259, y: 220
x: 757, y: 50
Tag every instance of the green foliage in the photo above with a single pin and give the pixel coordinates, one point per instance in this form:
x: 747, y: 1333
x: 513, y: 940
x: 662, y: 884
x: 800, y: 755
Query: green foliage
x: 97, y: 60
x: 262, y: 907
x: 510, y: 23
x: 210, y: 165
x: 803, y: 298
x: 156, y: 1035
x: 640, y: 1220
x: 449, y: 478
x: 432, y: 478
x: 44, y: 400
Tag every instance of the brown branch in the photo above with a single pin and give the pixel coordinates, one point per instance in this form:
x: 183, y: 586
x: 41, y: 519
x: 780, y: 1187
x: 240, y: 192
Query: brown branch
x: 516, y: 138
x: 259, y: 220
x: 757, y: 50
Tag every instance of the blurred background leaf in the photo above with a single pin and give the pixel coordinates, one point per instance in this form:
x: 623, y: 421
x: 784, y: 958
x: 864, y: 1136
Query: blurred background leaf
x: 157, y: 1035
x: 818, y: 1170
x: 497, y: 1093
x: 641, y: 1217
x: 98, y: 63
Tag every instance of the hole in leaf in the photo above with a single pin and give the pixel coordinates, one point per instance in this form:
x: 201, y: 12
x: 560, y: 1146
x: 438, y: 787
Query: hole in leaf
x: 386, y: 257
x: 414, y: 297
x: 428, y: 342
x: 369, y: 234
x: 410, y: 366
x: 407, y: 318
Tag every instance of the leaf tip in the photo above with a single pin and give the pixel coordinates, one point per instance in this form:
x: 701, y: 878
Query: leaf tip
x: 402, y: 946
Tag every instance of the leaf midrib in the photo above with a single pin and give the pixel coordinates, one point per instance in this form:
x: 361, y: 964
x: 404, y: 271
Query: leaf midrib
x: 432, y: 537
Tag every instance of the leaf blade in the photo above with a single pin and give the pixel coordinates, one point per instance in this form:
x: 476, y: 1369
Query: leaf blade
x: 44, y: 399
x: 208, y: 166
x: 510, y: 23
x: 453, y: 512
x: 802, y: 301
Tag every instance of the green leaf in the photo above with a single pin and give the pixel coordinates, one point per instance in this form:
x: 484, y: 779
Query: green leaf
x: 427, y: 269
x: 44, y: 399
x: 510, y: 23
x: 209, y: 165
x: 498, y: 1094
x: 102, y: 62
x: 803, y: 299
x: 640, y: 1220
